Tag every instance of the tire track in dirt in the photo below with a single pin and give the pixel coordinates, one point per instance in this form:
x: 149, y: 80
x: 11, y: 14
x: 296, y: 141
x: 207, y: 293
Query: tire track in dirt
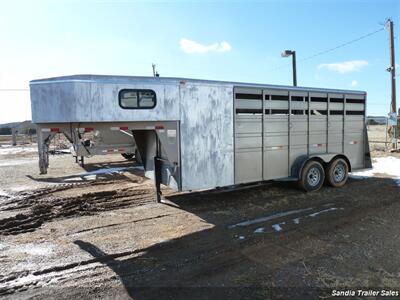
x: 26, y: 199
x: 42, y: 209
x: 123, y: 223
x: 22, y: 281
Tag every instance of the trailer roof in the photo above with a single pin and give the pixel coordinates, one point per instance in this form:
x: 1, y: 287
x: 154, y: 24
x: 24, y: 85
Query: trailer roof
x: 127, y: 79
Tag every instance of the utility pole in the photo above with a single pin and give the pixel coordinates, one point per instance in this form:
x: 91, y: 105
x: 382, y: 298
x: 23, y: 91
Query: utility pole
x: 155, y: 73
x: 292, y: 53
x: 392, y: 70
x: 294, y: 68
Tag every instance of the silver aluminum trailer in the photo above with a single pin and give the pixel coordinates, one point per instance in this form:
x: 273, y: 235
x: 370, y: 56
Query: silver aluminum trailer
x: 200, y: 134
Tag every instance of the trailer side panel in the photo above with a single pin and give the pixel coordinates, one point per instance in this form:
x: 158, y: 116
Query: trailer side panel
x: 206, y: 135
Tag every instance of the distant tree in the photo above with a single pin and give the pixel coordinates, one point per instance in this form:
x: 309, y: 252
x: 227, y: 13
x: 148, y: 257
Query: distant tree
x: 5, y: 131
x: 32, y: 131
x: 372, y: 122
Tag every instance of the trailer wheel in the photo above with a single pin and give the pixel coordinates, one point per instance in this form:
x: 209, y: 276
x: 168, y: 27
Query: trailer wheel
x: 128, y: 156
x: 337, y: 172
x: 312, y: 176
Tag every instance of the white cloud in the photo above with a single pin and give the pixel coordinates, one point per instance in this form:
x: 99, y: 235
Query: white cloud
x: 345, y: 67
x: 189, y: 46
x: 354, y: 83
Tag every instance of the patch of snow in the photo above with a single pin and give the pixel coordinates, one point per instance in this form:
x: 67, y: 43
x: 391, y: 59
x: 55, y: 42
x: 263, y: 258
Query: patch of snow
x: 270, y: 217
x: 241, y: 237
x: 277, y: 226
x: 297, y: 220
x: 88, y: 177
x: 34, y: 249
x: 7, y: 162
x: 44, y: 279
x: 14, y: 189
x: 24, y: 280
x: 110, y: 171
x: 259, y: 230
x: 321, y: 212
x: 16, y: 150
x: 25, y: 265
x: 388, y: 165
x: 3, y: 246
x: 20, y: 188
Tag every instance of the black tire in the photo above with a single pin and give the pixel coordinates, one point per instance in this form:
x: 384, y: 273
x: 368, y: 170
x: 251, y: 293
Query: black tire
x: 312, y: 176
x: 128, y: 156
x: 337, y: 172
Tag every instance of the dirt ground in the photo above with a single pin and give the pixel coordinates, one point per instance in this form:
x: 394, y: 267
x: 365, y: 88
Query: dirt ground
x: 97, y: 233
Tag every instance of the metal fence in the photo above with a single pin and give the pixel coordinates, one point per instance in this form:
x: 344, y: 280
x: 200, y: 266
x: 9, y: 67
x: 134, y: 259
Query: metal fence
x: 392, y: 134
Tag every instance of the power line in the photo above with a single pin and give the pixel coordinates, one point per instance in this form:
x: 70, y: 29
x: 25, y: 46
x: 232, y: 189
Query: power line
x: 343, y: 45
x: 333, y: 49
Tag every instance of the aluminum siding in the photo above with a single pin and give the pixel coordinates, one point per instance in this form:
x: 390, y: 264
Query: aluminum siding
x: 207, y: 151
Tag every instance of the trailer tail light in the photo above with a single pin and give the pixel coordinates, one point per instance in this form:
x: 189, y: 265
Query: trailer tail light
x: 120, y: 128
x: 159, y: 128
x: 353, y: 142
x: 89, y: 129
x: 50, y: 129
x: 318, y: 145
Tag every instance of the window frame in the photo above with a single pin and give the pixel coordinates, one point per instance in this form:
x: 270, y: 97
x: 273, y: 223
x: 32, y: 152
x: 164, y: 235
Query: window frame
x: 137, y: 93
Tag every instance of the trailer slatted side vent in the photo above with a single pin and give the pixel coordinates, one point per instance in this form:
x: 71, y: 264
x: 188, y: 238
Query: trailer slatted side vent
x: 293, y: 124
x: 249, y: 96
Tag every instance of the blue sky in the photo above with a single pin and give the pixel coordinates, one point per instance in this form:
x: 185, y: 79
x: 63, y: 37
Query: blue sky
x: 222, y: 40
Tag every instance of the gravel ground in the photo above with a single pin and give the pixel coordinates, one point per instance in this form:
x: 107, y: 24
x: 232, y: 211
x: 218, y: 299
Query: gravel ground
x: 97, y: 233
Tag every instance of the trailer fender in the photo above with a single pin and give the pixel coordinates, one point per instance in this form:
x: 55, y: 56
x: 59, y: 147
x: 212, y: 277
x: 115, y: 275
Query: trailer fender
x: 324, y: 159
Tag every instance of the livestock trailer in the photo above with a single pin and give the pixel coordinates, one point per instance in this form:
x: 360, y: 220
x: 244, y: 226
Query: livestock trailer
x: 200, y: 134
